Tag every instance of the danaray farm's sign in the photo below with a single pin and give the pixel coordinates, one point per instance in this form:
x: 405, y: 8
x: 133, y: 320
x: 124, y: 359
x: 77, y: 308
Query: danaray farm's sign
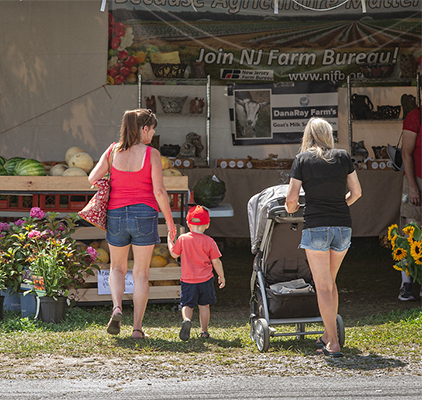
x: 246, y: 40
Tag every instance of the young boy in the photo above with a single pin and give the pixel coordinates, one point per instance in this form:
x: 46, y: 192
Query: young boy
x: 199, y: 255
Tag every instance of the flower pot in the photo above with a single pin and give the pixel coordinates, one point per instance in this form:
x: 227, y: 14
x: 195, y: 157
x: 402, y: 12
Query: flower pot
x: 1, y: 307
x: 11, y: 301
x: 28, y: 304
x: 52, y: 310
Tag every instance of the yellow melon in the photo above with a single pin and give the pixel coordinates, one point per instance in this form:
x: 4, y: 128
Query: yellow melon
x: 95, y: 244
x: 172, y: 264
x: 130, y: 264
x: 104, y: 246
x: 172, y: 172
x: 165, y: 163
x: 81, y: 245
x: 102, y: 256
x: 71, y: 152
x: 74, y: 171
x: 81, y: 160
x: 130, y: 255
x: 158, y: 262
x: 161, y: 250
x: 57, y: 170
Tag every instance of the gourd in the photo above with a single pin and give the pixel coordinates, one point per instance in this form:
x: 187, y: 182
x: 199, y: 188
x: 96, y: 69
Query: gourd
x: 209, y: 191
x: 74, y: 172
x: 161, y: 250
x: 172, y: 172
x: 165, y: 163
x: 102, y: 256
x: 81, y: 160
x: 58, y: 170
x: 71, y: 152
x: 29, y: 167
x: 158, y: 262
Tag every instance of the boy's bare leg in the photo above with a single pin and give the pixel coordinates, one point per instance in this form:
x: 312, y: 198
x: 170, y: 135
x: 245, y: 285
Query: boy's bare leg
x: 204, y: 317
x: 187, y: 313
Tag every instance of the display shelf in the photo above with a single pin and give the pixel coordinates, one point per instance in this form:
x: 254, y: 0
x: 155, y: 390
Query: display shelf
x: 166, y: 118
x: 372, y: 83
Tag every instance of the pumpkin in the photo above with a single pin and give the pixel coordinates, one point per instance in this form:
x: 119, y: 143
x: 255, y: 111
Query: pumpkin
x: 172, y: 172
x: 165, y: 163
x: 11, y: 163
x: 29, y: 167
x: 209, y: 191
x: 74, y: 172
x: 58, y: 170
x: 71, y: 152
x: 161, y: 250
x: 158, y: 262
x: 81, y: 160
x: 102, y: 256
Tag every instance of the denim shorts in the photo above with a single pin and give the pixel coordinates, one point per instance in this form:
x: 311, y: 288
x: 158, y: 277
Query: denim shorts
x: 326, y: 238
x: 136, y: 224
x: 192, y: 294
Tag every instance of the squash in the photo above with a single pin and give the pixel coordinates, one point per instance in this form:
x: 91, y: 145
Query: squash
x: 58, y: 169
x: 71, y: 152
x: 104, y: 246
x: 158, y: 262
x: 82, y: 160
x: 74, y: 172
x: 172, y: 172
x: 209, y: 191
x: 102, y: 256
x: 161, y: 250
x: 165, y: 163
x: 29, y: 167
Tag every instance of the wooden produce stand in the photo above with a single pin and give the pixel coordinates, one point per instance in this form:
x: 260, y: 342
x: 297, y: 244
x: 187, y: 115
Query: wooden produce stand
x: 53, y: 185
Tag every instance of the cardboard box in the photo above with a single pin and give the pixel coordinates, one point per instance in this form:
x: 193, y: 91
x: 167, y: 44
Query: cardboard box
x: 234, y: 163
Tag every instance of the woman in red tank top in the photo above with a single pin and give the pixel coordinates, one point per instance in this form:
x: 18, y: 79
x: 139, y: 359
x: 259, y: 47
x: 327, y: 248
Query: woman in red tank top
x: 137, y: 194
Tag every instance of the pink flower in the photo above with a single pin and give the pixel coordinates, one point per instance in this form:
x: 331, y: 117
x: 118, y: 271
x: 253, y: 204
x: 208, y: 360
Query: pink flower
x: 19, y: 222
x: 92, y: 252
x: 36, y: 212
x: 4, y: 226
x: 48, y: 233
x: 34, y: 234
x: 61, y: 227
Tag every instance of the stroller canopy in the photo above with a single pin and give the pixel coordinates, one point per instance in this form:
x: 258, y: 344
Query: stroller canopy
x: 259, y: 206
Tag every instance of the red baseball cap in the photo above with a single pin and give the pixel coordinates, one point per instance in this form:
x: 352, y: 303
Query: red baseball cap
x: 198, y: 215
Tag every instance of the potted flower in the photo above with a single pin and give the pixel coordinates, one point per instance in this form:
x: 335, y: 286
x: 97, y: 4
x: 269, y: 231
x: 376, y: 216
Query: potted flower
x: 41, y: 247
x: 407, y: 249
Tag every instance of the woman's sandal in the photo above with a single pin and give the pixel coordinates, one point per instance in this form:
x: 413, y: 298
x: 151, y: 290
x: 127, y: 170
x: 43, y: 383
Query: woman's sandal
x: 143, y: 335
x: 113, y: 326
x: 319, y: 342
x: 205, y: 335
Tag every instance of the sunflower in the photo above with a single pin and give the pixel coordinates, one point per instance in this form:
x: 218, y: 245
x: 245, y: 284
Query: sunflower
x: 399, y: 254
x: 409, y: 231
x: 393, y: 241
x: 416, y: 252
x: 397, y: 268
x: 390, y: 236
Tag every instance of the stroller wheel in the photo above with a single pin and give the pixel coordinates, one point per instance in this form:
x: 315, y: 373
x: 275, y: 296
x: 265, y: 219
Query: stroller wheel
x: 262, y: 335
x: 253, y: 327
x: 340, y: 330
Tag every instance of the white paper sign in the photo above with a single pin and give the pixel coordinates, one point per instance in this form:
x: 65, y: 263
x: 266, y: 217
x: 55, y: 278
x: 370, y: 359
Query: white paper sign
x: 104, y: 287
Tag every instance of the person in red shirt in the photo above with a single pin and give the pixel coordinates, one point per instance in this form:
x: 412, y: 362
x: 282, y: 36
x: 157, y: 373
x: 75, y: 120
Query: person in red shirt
x: 137, y: 194
x: 410, y: 209
x: 200, y: 254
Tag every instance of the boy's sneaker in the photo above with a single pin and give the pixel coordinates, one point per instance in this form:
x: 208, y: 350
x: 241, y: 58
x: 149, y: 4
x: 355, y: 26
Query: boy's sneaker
x: 406, y: 292
x: 185, y: 331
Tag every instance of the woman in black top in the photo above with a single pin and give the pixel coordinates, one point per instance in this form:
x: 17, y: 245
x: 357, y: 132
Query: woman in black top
x: 331, y: 185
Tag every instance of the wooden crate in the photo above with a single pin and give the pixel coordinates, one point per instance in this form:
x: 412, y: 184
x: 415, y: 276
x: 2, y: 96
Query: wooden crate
x: 89, y: 293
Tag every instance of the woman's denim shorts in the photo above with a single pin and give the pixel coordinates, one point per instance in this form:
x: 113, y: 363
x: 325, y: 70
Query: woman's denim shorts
x: 136, y: 224
x: 324, y: 238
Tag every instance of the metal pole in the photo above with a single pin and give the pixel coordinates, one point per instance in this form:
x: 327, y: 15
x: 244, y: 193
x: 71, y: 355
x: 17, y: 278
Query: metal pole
x: 208, y: 122
x: 139, y: 91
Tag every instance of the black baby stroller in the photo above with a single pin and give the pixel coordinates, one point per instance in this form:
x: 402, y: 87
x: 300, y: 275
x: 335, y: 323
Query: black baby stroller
x: 282, y: 291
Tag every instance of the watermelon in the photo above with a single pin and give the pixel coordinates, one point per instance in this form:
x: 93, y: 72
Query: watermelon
x: 209, y: 191
x: 2, y: 160
x: 29, y: 167
x: 10, y: 164
x: 2, y: 170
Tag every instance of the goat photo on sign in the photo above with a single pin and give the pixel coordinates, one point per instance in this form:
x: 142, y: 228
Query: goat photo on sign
x: 252, y: 114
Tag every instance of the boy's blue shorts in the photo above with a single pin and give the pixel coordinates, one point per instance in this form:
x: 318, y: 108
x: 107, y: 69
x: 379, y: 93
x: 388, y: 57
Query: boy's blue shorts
x: 202, y: 293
